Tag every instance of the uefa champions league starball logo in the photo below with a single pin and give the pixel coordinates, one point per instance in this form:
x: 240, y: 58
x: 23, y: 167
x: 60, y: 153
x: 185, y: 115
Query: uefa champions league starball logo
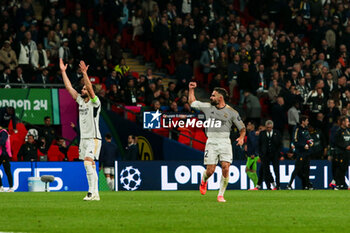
x: 130, y: 178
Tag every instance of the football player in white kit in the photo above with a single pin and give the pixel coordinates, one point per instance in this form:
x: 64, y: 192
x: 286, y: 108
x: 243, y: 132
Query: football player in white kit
x: 218, y: 147
x: 90, y: 136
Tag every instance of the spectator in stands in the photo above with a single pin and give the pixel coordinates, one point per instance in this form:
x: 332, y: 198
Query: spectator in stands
x: 173, y: 107
x: 279, y: 115
x: 152, y: 93
x: 19, y: 78
x: 130, y: 92
x: 132, y: 150
x: 61, y: 143
x: 109, y: 154
x: 156, y: 105
x: 116, y: 50
x: 317, y: 101
x: 252, y: 107
x: 43, y: 78
x: 274, y: 91
x: 52, y: 42
x: 6, y: 78
x: 64, y: 51
x: 165, y: 53
x: 28, y: 151
x: 137, y: 21
x: 39, y: 59
x: 5, y: 157
x: 113, y: 78
x: 303, y: 89
x: 162, y: 31
x: 261, y: 80
x: 149, y: 75
x: 180, y: 54
x: 42, y: 148
x: 8, y: 57
x: 122, y: 69
x: 184, y: 74
x: 8, y: 114
x: 90, y: 55
x: 293, y: 118
x: 233, y: 70
x: 77, y: 48
x: 32, y: 132
x: 244, y: 80
x: 47, y: 131
x: 25, y: 55
x: 172, y: 91
x: 114, y: 94
x: 159, y: 84
x: 209, y: 60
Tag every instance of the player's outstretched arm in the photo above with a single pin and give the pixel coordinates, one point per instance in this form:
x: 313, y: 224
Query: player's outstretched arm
x: 66, y: 81
x: 240, y: 140
x: 191, y: 87
x: 84, y: 68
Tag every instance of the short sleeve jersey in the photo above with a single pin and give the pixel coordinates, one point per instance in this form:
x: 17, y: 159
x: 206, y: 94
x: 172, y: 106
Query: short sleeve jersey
x: 89, y: 115
x: 227, y: 115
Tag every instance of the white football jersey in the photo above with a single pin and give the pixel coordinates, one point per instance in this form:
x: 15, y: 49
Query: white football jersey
x: 89, y: 115
x: 227, y: 115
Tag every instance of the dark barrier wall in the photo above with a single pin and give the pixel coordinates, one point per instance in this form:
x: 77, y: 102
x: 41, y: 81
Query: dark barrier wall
x: 186, y: 175
x: 176, y: 151
x: 124, y: 128
x: 162, y: 148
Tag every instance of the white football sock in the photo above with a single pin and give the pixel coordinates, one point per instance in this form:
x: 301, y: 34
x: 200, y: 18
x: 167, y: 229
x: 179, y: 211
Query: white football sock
x: 89, y: 175
x: 273, y: 184
x: 108, y: 179
x: 223, y: 185
x: 95, y: 179
x: 112, y: 184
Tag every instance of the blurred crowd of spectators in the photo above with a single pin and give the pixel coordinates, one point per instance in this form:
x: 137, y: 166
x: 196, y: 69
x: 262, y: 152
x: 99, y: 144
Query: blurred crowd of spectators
x: 276, y: 58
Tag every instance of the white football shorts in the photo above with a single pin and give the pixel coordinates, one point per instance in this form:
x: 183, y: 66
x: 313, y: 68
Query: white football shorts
x: 218, y: 150
x: 108, y: 170
x: 89, y: 147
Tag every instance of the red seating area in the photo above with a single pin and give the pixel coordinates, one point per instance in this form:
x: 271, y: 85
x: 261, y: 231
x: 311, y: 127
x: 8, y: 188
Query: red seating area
x: 53, y: 154
x: 146, y: 50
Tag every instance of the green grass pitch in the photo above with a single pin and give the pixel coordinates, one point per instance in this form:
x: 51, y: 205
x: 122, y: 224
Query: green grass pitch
x: 177, y: 211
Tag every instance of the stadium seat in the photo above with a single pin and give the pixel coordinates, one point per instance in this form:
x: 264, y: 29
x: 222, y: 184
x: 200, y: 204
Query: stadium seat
x: 198, y: 75
x: 40, y: 154
x: 16, y: 142
x: 54, y: 154
x: 200, y: 136
x: 73, y: 153
x: 118, y: 110
x: 130, y: 115
x: 94, y: 79
x: 182, y: 137
x: 135, y: 75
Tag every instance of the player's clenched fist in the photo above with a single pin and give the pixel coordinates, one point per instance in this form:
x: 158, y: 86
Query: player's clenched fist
x: 192, y: 85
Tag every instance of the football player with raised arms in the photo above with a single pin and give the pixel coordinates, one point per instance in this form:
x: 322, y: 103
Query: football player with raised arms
x: 90, y: 136
x: 218, y: 147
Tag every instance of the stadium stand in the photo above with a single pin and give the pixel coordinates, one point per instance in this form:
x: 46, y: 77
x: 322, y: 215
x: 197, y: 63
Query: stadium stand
x: 303, y: 45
